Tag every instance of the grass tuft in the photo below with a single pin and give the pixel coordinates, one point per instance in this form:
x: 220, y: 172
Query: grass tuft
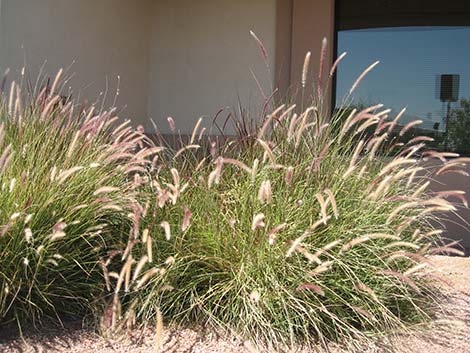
x: 309, y: 227
x: 64, y: 200
x: 314, y: 227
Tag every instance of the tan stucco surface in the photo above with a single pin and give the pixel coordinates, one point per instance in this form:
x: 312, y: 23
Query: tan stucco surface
x: 201, y: 56
x: 312, y: 21
x: 174, y: 58
x: 458, y: 224
x: 97, y: 40
x: 181, y: 58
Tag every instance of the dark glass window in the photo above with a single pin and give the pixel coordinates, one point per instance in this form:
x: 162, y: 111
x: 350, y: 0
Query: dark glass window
x: 424, y: 53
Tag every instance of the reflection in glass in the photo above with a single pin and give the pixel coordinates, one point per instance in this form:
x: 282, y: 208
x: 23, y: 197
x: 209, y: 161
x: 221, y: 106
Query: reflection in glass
x: 412, y: 60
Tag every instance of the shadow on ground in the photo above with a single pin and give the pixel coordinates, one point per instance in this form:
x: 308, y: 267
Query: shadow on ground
x: 448, y: 333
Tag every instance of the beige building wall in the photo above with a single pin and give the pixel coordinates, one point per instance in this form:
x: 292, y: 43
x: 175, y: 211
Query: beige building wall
x: 174, y: 58
x: 457, y: 224
x: 312, y: 21
x: 301, y: 26
x: 97, y: 40
x: 201, y: 56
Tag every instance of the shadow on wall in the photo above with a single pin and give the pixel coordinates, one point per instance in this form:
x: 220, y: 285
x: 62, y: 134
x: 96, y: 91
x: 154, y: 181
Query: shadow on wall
x: 457, y: 225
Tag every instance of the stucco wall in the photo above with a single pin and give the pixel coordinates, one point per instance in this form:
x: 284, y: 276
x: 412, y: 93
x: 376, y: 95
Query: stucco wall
x: 201, y: 55
x: 102, y: 39
x: 457, y: 225
x: 312, y: 21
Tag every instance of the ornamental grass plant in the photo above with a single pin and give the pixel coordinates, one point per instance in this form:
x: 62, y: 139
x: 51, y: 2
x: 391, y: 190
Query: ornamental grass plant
x: 66, y: 192
x: 311, y: 226
x: 315, y: 228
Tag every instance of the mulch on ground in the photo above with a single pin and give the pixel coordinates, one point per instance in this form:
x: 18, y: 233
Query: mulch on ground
x: 449, y: 333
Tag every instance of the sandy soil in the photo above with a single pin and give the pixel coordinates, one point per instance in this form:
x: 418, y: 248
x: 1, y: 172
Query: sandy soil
x: 450, y: 332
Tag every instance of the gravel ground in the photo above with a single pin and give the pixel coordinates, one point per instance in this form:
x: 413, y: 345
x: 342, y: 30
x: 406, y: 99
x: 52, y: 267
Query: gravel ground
x: 450, y: 331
